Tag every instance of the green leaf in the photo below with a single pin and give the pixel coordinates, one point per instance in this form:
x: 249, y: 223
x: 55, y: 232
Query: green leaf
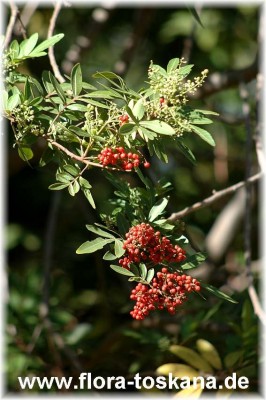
x: 97, y: 104
x: 103, y: 94
x: 130, y: 113
x: 108, y: 256
x: 4, y: 99
x: 128, y: 129
x: 77, y: 131
x: 14, y: 49
x: 143, y: 270
x: 148, y: 135
x: 93, y: 245
x: 150, y: 275
x: 27, y: 45
x: 172, y: 65
x: 217, y: 292
x: 119, y: 251
x: 77, y: 107
x: 143, y: 178
x: 84, y: 183
x: 160, y: 70
x: 139, y: 109
x: 89, y: 197
x: 134, y: 269
x: 106, y: 74
x: 64, y: 177
x: 159, y: 149
x: 57, y: 87
x: 13, y: 101
x: 185, y: 70
x: 25, y: 153
x: 121, y: 270
x: 205, y: 135
x: 46, y: 82
x: 76, y: 79
x: 71, y: 169
x: 157, y: 209
x: 207, y: 112
x: 100, y: 232
x: 186, y: 151
x: 200, y: 120
x: 137, y: 279
x: 194, y: 261
x: 158, y: 126
x: 58, y: 186
x: 73, y: 188
x: 47, y: 43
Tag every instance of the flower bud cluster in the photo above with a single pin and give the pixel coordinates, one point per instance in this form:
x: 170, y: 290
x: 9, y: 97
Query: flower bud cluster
x: 23, y: 114
x: 168, y: 290
x: 144, y: 244
x: 172, y: 90
x: 120, y: 158
x: 93, y: 121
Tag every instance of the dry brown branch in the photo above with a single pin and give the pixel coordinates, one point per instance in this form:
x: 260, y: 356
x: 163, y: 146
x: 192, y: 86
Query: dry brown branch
x: 11, y: 23
x: 216, y: 196
x: 51, y: 55
x: 25, y: 16
x: 256, y: 304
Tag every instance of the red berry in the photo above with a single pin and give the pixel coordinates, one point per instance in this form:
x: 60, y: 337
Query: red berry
x: 147, y: 164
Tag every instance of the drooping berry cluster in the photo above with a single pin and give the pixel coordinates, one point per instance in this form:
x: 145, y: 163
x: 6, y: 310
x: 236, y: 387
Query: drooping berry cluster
x: 169, y: 290
x: 120, y: 158
x: 144, y: 244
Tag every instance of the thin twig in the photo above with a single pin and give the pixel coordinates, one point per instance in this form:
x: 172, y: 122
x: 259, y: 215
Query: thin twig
x: 11, y: 24
x: 72, y: 155
x: 216, y: 196
x: 78, y: 158
x: 51, y: 55
x: 218, y: 81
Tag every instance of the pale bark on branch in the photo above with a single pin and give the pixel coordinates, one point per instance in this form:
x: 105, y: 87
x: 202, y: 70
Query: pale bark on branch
x: 212, y: 199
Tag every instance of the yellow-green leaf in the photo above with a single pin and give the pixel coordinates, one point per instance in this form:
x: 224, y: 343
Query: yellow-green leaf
x: 210, y: 353
x: 178, y: 370
x: 191, y: 357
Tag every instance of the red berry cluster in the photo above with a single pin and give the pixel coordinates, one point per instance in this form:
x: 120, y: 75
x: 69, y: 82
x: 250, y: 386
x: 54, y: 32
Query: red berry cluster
x: 169, y: 290
x: 120, y: 158
x: 144, y: 244
x: 123, y: 119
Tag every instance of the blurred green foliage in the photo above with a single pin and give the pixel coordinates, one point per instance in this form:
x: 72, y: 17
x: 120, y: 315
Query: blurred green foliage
x: 89, y: 306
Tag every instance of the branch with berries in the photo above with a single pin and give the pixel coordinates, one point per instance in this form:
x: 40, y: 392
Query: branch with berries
x: 108, y: 126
